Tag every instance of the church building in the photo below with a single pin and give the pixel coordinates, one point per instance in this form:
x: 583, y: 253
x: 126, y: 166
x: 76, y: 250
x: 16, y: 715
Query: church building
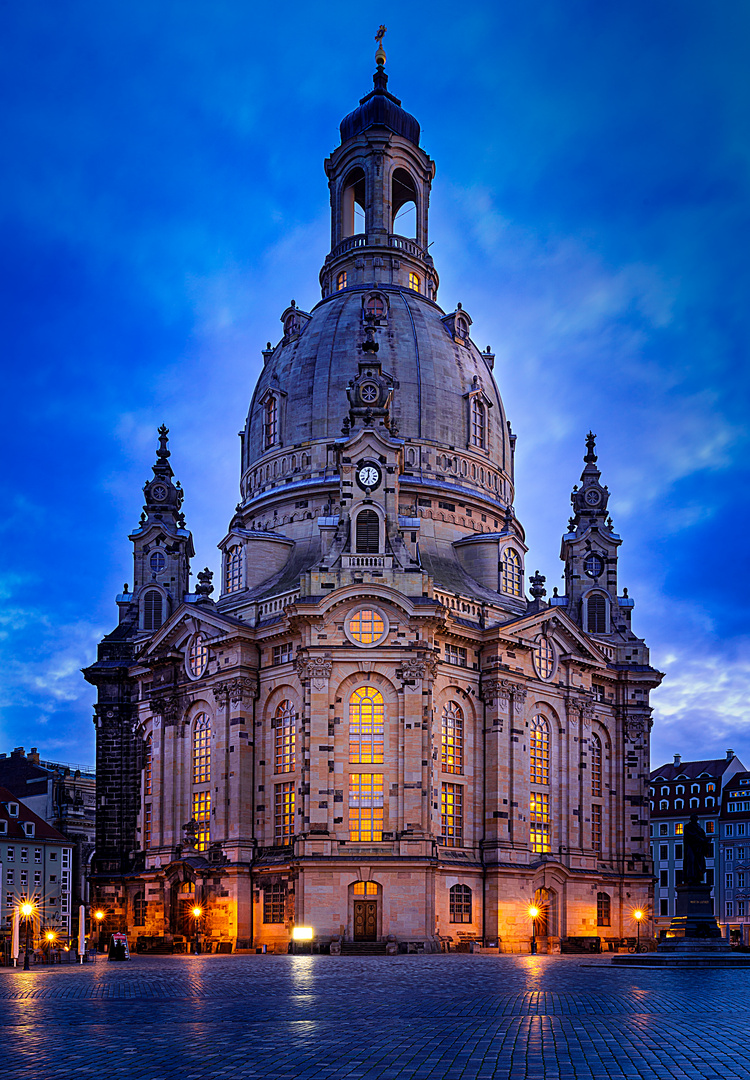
x: 366, y: 728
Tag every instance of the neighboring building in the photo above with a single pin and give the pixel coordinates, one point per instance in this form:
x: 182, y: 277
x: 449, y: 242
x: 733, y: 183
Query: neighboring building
x: 372, y: 730
x: 678, y: 790
x: 65, y: 797
x: 733, y: 871
x: 35, y: 863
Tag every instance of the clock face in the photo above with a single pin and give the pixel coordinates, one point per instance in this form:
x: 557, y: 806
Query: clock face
x: 368, y: 475
x: 593, y: 497
x: 158, y: 492
x: 368, y: 392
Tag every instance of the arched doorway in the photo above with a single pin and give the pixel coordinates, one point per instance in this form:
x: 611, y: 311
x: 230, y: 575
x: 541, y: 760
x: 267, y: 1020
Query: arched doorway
x: 365, y: 897
x: 546, y: 923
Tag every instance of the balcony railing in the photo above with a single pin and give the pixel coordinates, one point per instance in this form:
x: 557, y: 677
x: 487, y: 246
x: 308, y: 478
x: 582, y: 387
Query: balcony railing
x: 367, y: 562
x: 359, y: 240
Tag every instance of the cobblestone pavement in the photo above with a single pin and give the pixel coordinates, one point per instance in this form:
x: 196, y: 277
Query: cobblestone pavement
x: 420, y: 1017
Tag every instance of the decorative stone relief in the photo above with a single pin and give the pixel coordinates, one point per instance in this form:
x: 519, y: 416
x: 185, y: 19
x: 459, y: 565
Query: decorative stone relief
x: 315, y: 670
x: 238, y: 690
x: 168, y: 706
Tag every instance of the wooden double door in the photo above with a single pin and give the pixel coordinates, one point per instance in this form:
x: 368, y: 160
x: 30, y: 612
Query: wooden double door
x: 365, y: 920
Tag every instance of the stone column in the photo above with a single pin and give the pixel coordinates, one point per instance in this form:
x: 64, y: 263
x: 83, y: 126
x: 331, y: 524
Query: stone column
x: 317, y: 780
x: 235, y: 826
x: 416, y: 676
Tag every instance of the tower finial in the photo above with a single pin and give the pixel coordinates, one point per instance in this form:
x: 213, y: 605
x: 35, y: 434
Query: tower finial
x: 380, y: 54
x: 590, y: 446
x: 163, y: 453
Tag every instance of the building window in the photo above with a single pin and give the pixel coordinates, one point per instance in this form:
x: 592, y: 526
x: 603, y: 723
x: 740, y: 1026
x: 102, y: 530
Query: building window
x: 663, y: 829
x: 341, y: 281
x: 452, y: 750
x: 414, y: 282
x: 539, y: 751
x: 11, y: 854
x: 234, y: 568
x: 152, y: 610
x: 146, y: 826
x: 663, y: 852
x: 367, y: 626
x: 139, y: 909
x: 664, y: 805
x: 24, y: 878
x: 540, y: 826
x: 478, y: 423
x: 596, y: 767
x: 729, y: 909
x: 157, y: 562
x: 678, y: 851
x: 198, y: 655
x: 375, y: 307
x: 201, y: 749
x: 664, y: 907
x: 202, y: 815
x: 451, y: 815
x: 741, y: 879
x: 664, y: 878
x: 454, y: 654
x: 512, y: 580
x: 282, y: 654
x: 24, y: 854
x: 284, y: 813
x: 596, y: 828
x: 544, y: 657
x: 728, y: 881
x: 679, y: 828
x: 710, y: 827
x: 460, y: 904
x: 367, y: 533
x: 366, y: 807
x: 597, y: 614
x: 10, y: 877
x: 285, y: 722
x: 271, y: 422
x: 37, y: 855
x: 366, y: 726
x: 365, y: 888
x: 603, y: 909
x: 148, y: 765
x: 274, y: 903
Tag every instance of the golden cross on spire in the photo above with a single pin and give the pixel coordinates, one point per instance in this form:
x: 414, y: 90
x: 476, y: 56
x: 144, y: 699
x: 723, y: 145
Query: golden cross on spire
x: 380, y: 54
x: 382, y: 30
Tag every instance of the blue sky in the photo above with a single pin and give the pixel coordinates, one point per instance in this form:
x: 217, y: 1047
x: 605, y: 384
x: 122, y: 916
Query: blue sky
x: 163, y: 198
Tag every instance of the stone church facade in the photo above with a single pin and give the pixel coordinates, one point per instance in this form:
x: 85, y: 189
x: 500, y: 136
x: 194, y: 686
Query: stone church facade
x: 370, y: 729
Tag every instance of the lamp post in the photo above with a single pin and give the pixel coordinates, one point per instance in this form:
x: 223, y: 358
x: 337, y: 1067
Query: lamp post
x: 27, y: 910
x: 99, y: 916
x: 533, y: 915
x: 638, y: 916
x: 197, y: 912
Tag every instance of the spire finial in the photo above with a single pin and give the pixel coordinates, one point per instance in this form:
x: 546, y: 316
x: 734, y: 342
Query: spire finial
x: 163, y: 453
x: 590, y: 446
x: 380, y: 54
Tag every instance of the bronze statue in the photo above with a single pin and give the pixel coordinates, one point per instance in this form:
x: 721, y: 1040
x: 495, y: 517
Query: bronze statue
x: 697, y: 847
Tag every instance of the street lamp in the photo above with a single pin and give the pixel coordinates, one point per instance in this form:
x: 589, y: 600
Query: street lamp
x: 533, y: 915
x: 197, y: 912
x: 638, y: 915
x: 99, y: 916
x: 49, y: 937
x: 27, y: 910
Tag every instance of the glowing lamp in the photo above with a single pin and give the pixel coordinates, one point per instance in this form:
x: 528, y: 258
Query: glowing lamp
x: 98, y: 915
x: 638, y: 915
x: 302, y: 933
x: 27, y: 910
x: 533, y: 912
x: 50, y: 935
x: 197, y: 912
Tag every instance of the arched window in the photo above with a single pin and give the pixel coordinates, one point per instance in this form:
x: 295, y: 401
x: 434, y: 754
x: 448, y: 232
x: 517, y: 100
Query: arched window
x: 152, y: 610
x: 147, y: 765
x: 404, y: 204
x: 375, y: 306
x: 452, y: 750
x: 539, y: 750
x: 202, y: 779
x: 663, y: 805
x: 366, y: 720
x: 460, y: 904
x: 365, y: 888
x: 478, y: 422
x: 597, y: 614
x: 694, y: 804
x: 603, y: 909
x: 234, y: 569
x: 596, y: 767
x: 353, y: 204
x: 679, y: 804
x: 367, y: 533
x: 414, y: 282
x: 512, y: 578
x: 271, y: 424
x: 285, y: 725
x: 366, y: 805
x: 341, y: 281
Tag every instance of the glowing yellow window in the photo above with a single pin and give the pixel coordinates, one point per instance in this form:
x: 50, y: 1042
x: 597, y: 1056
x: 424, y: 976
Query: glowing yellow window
x: 414, y: 282
x: 284, y: 813
x: 451, y: 815
x: 452, y: 754
x: 540, y: 826
x: 201, y: 750
x: 366, y: 807
x: 539, y: 751
x: 366, y: 626
x: 341, y: 281
x: 365, y: 888
x: 366, y: 718
x: 285, y: 720
x: 596, y: 767
x: 202, y: 815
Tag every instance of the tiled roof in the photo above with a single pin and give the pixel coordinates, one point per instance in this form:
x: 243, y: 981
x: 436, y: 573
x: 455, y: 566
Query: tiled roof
x: 692, y: 769
x: 42, y: 831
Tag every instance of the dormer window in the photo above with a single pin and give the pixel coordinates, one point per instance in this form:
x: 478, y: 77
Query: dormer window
x: 13, y: 809
x: 512, y: 581
x: 271, y: 422
x: 28, y: 827
x: 478, y: 423
x: 233, y: 580
x: 367, y: 533
x: 3, y: 827
x: 374, y: 306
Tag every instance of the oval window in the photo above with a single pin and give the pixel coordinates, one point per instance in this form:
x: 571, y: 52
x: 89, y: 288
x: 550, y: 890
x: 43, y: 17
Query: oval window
x: 367, y: 627
x: 197, y: 656
x: 544, y: 658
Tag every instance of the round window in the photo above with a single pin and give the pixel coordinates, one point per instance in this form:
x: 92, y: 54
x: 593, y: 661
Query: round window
x: 544, y: 658
x: 593, y: 565
x: 367, y: 626
x: 197, y: 656
x: 157, y: 562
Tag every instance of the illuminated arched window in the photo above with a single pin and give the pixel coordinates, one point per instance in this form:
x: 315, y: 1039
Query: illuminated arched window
x: 367, y: 533
x: 153, y: 615
x: 597, y: 614
x: 512, y: 577
x: 147, y: 766
x: 271, y: 421
x: 452, y: 751
x: 365, y: 888
x: 478, y: 422
x: 603, y: 909
x: 539, y: 750
x: 341, y: 281
x: 460, y: 904
x: 286, y: 722
x: 596, y: 767
x: 375, y: 306
x: 202, y: 779
x: 234, y: 569
x: 366, y: 719
x: 198, y: 655
x: 414, y: 282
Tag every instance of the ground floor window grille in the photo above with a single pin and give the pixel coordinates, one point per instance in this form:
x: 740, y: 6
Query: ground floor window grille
x: 274, y: 903
x: 202, y: 816
x: 147, y: 825
x: 139, y: 909
x: 366, y: 807
x: 452, y: 815
x: 284, y: 819
x: 603, y: 909
x: 460, y: 904
x: 540, y: 826
x: 596, y: 828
